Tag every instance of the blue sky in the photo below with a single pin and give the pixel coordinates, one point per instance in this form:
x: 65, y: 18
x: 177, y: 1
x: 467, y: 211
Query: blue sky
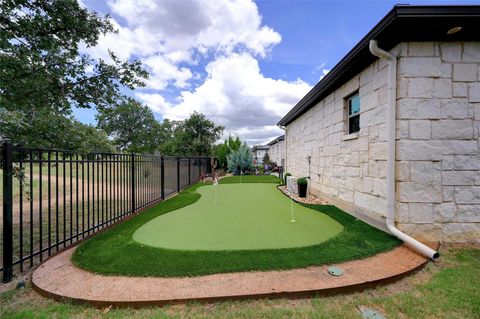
x: 244, y: 64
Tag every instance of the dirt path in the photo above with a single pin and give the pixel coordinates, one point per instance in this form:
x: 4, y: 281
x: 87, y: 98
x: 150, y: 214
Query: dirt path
x: 58, y: 278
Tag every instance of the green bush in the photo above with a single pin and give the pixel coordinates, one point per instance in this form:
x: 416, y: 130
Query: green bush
x: 302, y: 181
x: 240, y: 160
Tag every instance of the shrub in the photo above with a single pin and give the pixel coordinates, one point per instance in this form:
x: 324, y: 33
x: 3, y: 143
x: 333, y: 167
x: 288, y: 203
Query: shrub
x: 240, y: 160
x: 302, y: 181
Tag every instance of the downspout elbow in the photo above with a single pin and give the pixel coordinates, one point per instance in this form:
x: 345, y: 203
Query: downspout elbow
x: 375, y: 50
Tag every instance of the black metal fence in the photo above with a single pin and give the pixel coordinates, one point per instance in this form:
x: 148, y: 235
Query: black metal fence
x: 53, y: 198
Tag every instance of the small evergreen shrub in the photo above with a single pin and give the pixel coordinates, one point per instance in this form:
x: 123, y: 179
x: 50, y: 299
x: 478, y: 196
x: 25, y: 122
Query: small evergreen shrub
x: 302, y: 181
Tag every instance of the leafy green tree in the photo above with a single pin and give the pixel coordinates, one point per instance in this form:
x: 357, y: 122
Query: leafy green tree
x: 53, y: 130
x: 132, y: 127
x: 266, y: 158
x: 87, y: 138
x: 43, y: 74
x: 40, y: 62
x: 224, y: 149
x: 195, y: 136
x: 240, y: 160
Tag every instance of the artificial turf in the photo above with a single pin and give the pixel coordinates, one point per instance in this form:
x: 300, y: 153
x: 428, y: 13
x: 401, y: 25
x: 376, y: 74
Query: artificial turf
x: 250, y: 179
x: 238, y: 216
x: 115, y: 252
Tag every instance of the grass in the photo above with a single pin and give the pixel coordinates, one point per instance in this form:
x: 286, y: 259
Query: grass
x: 447, y: 288
x: 250, y: 179
x: 238, y: 216
x: 116, y: 253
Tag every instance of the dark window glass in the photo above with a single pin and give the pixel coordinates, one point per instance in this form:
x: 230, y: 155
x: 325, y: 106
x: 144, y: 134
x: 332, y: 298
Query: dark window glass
x: 353, y: 114
x: 354, y: 124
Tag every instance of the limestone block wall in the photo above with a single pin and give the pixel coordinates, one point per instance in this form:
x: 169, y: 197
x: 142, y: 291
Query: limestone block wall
x: 438, y: 123
x: 277, y: 152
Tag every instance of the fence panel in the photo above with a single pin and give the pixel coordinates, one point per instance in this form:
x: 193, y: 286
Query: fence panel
x: 53, y: 198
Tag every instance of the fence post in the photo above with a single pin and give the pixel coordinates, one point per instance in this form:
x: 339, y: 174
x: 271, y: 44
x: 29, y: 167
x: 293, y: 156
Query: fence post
x: 134, y: 197
x: 199, y: 168
x: 7, y: 165
x: 178, y: 174
x: 162, y: 177
x: 189, y: 175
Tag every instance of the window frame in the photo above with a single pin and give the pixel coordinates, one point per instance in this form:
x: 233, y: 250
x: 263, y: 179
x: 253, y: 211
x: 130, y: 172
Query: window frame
x: 349, y: 116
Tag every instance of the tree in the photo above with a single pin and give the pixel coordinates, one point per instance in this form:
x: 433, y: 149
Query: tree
x: 193, y: 137
x: 41, y: 65
x: 87, y: 138
x: 266, y: 158
x: 132, y: 127
x: 53, y: 130
x: 240, y: 160
x: 224, y: 149
x: 43, y: 74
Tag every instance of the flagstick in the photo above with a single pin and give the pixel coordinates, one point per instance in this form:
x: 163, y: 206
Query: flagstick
x: 291, y: 209
x: 215, y: 185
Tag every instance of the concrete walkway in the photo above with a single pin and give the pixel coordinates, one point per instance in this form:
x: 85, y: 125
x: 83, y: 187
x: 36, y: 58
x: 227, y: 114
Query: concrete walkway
x: 58, y: 278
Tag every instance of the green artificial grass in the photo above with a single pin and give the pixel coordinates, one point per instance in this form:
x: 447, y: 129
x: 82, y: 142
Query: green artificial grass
x: 236, y: 217
x: 115, y: 252
x: 250, y: 179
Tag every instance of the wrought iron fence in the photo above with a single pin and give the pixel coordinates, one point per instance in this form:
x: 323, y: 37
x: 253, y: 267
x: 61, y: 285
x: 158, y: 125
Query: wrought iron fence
x: 54, y: 198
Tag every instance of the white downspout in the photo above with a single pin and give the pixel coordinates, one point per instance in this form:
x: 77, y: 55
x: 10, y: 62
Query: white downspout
x: 391, y: 128
x: 284, y: 128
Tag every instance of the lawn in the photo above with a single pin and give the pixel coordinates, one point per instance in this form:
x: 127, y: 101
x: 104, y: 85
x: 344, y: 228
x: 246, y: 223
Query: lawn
x: 250, y: 179
x: 238, y: 216
x: 447, y: 288
x: 116, y: 251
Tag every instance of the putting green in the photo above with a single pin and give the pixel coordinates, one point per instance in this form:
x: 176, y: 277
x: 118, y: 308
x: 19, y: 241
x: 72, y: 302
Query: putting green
x: 238, y: 217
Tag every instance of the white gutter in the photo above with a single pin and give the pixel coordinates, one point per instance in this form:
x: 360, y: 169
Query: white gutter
x: 391, y: 128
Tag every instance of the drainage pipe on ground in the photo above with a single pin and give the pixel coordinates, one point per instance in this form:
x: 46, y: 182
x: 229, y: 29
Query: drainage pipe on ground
x: 391, y: 128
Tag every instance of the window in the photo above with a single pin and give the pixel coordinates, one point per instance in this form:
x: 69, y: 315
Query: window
x: 353, y: 104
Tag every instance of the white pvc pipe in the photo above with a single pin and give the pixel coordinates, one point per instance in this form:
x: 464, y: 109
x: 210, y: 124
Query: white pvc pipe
x: 391, y: 128
x: 286, y: 149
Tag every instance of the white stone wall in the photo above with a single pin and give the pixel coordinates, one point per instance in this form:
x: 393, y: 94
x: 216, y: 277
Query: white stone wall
x: 438, y: 124
x: 258, y: 156
x: 277, y: 152
x: 438, y: 121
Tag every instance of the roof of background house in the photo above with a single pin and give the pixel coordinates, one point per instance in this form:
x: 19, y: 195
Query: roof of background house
x: 402, y: 23
x: 276, y: 140
x: 260, y: 147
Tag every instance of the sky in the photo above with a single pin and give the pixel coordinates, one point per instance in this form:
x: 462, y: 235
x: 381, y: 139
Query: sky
x: 243, y: 64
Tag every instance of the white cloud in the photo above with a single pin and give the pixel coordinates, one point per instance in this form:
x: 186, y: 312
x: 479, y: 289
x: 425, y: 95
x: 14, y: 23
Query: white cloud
x: 210, y: 24
x: 324, y: 72
x: 163, y: 72
x: 237, y: 95
x: 205, y: 52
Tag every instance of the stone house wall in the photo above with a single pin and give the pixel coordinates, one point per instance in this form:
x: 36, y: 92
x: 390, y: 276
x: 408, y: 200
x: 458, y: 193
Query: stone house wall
x: 277, y: 152
x: 258, y: 156
x: 437, y: 160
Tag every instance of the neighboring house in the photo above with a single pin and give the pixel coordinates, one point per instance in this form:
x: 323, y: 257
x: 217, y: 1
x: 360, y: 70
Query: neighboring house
x: 277, y: 150
x: 341, y: 125
x: 259, y: 152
